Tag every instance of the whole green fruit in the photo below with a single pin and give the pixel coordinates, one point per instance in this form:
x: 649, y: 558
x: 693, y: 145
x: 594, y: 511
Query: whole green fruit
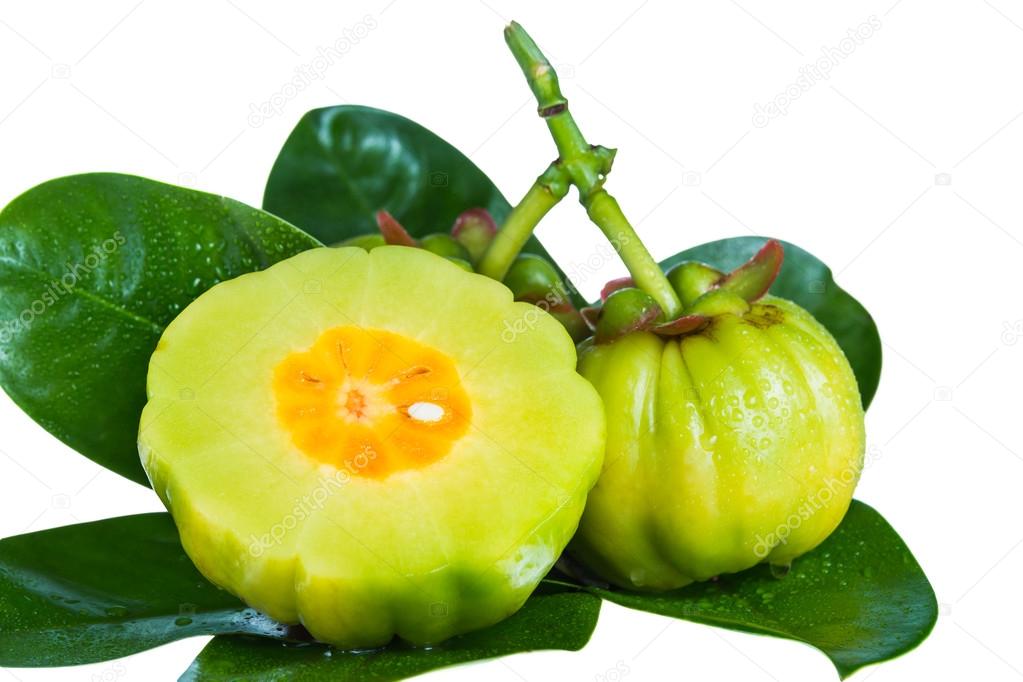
x: 729, y: 447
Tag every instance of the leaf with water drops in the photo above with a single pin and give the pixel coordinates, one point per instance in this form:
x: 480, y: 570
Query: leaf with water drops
x: 547, y: 621
x: 806, y: 280
x: 92, y: 268
x: 860, y: 597
x: 96, y: 591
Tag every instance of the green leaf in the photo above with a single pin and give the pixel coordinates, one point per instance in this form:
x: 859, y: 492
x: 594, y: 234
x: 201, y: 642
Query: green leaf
x: 860, y: 597
x: 92, y: 268
x: 103, y: 590
x: 97, y: 591
x: 805, y: 280
x: 342, y: 164
x: 547, y: 621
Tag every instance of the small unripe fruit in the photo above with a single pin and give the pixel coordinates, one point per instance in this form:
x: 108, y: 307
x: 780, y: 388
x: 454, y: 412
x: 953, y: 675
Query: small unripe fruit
x: 532, y: 278
x: 364, y: 241
x: 444, y: 245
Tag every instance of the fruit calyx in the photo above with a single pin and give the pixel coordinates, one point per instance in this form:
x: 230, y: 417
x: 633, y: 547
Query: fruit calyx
x: 626, y: 310
x: 705, y: 293
x: 392, y: 230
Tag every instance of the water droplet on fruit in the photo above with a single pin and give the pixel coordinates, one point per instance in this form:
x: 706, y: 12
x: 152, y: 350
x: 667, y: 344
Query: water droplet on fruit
x: 780, y: 570
x: 183, y: 621
x: 638, y: 576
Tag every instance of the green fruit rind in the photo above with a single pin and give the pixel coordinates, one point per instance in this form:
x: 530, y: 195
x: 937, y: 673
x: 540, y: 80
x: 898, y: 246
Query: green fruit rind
x: 719, y: 302
x: 422, y: 554
x: 733, y: 446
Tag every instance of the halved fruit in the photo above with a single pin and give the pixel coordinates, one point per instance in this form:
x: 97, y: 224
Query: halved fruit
x: 371, y: 443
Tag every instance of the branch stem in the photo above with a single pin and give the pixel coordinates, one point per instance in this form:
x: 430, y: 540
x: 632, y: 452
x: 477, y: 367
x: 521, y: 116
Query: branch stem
x: 587, y: 166
x: 550, y: 188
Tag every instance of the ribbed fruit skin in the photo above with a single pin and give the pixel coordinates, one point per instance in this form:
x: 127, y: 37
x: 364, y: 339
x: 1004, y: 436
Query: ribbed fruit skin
x: 423, y: 554
x: 738, y: 445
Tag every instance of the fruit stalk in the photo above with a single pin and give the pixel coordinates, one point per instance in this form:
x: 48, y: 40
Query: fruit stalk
x: 587, y: 166
x: 550, y: 188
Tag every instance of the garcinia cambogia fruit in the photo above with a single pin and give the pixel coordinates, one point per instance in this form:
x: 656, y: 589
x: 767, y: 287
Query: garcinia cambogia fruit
x: 352, y: 440
x: 735, y: 436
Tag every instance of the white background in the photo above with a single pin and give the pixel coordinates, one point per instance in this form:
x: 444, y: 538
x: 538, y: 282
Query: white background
x: 902, y: 171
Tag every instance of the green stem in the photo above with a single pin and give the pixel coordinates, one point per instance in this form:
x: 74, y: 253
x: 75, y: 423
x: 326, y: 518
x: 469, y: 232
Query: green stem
x: 605, y: 212
x: 587, y: 167
x: 546, y: 192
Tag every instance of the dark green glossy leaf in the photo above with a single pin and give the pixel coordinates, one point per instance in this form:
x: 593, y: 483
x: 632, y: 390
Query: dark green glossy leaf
x: 805, y: 280
x: 547, y: 621
x: 342, y: 164
x: 92, y: 268
x: 860, y: 597
x: 97, y: 591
